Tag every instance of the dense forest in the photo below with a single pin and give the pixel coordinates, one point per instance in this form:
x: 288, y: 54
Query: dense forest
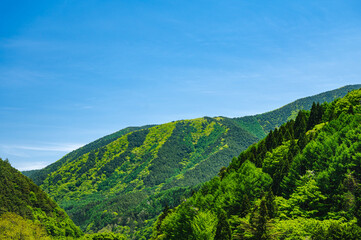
x: 25, y: 206
x: 124, y: 185
x: 123, y: 181
x: 300, y: 182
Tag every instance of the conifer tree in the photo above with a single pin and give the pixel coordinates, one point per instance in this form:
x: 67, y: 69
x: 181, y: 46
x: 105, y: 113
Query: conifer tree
x: 300, y: 124
x: 223, y: 231
x: 270, y: 204
x: 261, y: 222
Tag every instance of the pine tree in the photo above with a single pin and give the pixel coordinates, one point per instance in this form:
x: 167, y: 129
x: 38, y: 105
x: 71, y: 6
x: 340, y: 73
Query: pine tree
x: 261, y: 152
x: 271, y: 205
x: 261, y: 222
x: 302, y: 141
x: 223, y: 231
x: 270, y: 141
x: 245, y: 205
x: 315, y: 116
x: 300, y: 126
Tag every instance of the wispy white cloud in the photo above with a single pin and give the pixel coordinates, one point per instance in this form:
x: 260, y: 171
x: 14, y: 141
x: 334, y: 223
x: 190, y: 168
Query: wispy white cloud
x: 31, y: 165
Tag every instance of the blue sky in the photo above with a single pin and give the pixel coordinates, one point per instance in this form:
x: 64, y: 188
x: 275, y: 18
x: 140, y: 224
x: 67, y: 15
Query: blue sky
x: 74, y: 71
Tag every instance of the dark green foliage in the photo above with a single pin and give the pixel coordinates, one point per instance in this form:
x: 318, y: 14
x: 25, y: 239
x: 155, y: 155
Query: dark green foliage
x: 259, y: 220
x: 300, y: 124
x: 316, y: 115
x: 224, y: 231
x: 18, y: 194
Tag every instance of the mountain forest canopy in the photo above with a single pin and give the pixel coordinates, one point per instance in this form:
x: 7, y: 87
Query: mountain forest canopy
x: 300, y: 182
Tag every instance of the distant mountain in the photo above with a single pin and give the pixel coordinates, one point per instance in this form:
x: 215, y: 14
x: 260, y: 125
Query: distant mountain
x: 23, y: 206
x: 261, y: 124
x: 38, y: 176
x: 123, y: 181
x: 303, y: 181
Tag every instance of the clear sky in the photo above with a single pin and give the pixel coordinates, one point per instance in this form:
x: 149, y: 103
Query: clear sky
x: 74, y: 71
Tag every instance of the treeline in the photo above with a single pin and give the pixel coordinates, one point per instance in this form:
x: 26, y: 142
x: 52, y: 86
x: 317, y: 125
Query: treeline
x: 301, y: 182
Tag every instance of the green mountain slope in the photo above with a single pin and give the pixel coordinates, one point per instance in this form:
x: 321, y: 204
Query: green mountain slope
x: 303, y: 181
x: 108, y: 184
x: 38, y: 176
x: 21, y: 199
x: 123, y: 181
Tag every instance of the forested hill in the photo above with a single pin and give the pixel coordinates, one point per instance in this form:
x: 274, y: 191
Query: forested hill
x: 303, y: 181
x: 26, y: 212
x: 38, y: 176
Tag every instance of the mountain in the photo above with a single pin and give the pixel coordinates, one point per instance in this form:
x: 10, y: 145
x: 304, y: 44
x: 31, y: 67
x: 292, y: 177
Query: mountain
x: 144, y: 169
x: 26, y: 211
x: 261, y: 124
x: 38, y: 176
x: 303, y: 181
x: 123, y: 181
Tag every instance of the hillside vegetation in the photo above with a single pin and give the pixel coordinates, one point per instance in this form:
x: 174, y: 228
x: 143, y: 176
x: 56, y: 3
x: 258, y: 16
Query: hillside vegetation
x: 24, y: 206
x: 127, y: 182
x: 38, y: 176
x: 303, y: 181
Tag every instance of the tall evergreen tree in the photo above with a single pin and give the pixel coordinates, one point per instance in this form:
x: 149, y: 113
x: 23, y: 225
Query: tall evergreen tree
x: 223, y: 231
x: 300, y: 124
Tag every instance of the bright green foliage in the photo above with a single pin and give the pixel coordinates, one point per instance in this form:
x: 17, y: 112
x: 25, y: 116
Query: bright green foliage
x: 306, y: 201
x: 103, y: 236
x: 13, y: 226
x: 19, y: 195
x: 204, y: 225
x: 124, y: 185
x: 303, y: 181
x: 38, y: 176
x: 309, y: 228
x: 248, y: 181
